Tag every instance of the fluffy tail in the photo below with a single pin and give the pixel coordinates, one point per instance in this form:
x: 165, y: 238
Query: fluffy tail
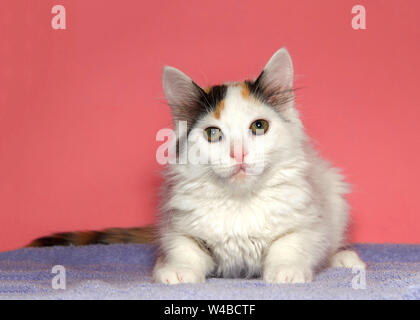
x: 107, y: 236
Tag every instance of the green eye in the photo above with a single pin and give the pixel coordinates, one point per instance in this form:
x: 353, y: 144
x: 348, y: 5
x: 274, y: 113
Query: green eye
x: 259, y: 127
x: 213, y: 134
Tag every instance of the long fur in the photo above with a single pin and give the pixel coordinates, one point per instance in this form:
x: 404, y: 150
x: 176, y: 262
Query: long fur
x: 283, y: 224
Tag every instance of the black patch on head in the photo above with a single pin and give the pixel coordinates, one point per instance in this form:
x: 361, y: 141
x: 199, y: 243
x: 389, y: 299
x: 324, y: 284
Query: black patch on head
x: 204, y: 103
x: 207, y: 101
x: 198, y: 103
x: 213, y: 97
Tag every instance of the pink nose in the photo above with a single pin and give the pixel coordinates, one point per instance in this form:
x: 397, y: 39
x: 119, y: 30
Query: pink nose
x: 239, y: 155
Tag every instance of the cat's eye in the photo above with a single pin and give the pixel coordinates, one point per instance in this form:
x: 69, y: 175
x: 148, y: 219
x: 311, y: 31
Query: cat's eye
x: 213, y: 134
x: 259, y: 127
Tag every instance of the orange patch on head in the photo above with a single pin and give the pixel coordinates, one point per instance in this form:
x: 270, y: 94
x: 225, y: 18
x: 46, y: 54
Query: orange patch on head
x: 244, y: 90
x: 219, y: 109
x: 207, y: 89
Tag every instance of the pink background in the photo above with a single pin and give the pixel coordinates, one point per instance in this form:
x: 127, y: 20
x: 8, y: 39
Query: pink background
x: 80, y: 108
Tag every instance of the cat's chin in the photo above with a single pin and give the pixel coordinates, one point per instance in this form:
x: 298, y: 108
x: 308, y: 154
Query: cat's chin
x: 242, y: 180
x: 239, y: 175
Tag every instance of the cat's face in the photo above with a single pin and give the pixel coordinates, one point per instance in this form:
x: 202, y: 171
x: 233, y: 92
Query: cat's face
x: 236, y: 131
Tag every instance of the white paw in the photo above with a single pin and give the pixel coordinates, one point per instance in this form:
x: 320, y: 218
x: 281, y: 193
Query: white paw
x: 176, y: 275
x: 347, y: 259
x: 287, y: 274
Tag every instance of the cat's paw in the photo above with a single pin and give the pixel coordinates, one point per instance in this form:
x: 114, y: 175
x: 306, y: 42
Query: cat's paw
x: 347, y: 259
x: 176, y: 275
x: 287, y: 274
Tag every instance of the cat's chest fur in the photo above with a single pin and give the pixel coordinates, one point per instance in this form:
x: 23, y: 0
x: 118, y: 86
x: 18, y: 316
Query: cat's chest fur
x: 238, y: 231
x: 236, y: 234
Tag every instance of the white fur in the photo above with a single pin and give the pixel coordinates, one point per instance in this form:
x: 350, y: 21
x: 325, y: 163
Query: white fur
x: 283, y: 223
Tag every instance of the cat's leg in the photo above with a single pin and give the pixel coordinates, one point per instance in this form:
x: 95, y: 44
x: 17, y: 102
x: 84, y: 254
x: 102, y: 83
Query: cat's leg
x: 293, y: 257
x: 182, y: 260
x: 347, y: 259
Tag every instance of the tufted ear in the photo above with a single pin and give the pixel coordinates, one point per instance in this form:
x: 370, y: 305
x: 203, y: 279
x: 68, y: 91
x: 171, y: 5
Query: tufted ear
x: 275, y: 83
x: 278, y: 71
x: 183, y: 95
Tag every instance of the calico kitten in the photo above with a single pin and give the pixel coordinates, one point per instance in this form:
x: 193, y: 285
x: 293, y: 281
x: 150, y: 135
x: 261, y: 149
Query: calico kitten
x: 283, y: 221
x: 263, y: 204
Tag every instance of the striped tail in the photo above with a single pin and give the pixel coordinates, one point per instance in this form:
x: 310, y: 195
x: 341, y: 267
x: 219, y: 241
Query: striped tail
x: 107, y: 236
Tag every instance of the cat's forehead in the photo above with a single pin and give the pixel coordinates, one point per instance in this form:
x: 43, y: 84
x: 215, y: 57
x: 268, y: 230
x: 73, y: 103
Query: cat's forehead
x: 233, y: 98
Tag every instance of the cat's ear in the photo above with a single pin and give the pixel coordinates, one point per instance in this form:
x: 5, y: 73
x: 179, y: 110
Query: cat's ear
x: 278, y: 71
x: 275, y: 83
x: 183, y: 95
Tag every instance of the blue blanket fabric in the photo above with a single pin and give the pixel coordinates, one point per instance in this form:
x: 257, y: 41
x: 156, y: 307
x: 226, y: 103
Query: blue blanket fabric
x: 124, y: 272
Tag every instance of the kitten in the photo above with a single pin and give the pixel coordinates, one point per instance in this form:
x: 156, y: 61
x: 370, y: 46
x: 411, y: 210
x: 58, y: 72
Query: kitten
x: 262, y: 204
x: 283, y: 221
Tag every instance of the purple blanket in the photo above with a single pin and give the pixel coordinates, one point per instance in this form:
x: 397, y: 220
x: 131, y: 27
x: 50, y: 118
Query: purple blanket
x: 124, y: 272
